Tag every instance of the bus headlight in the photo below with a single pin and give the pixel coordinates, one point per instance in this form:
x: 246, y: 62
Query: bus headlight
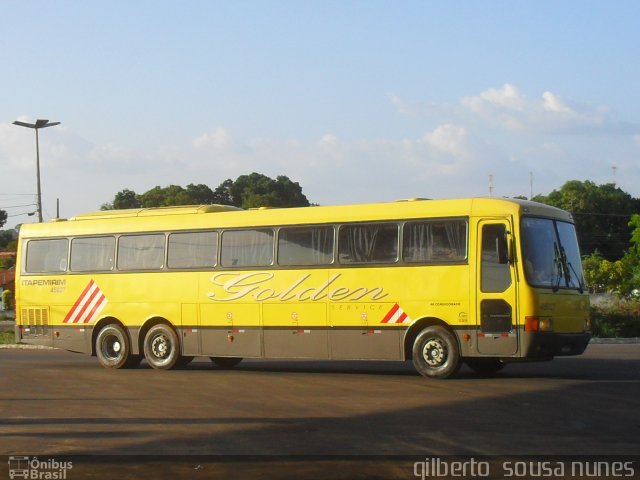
x: 545, y: 325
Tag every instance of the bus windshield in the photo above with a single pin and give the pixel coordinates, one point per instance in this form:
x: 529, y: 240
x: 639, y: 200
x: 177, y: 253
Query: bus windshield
x: 551, y: 254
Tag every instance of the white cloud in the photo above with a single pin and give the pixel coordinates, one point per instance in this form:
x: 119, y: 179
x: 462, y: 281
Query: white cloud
x: 329, y: 140
x: 508, y: 97
x: 448, y: 139
x: 553, y: 103
x: 418, y: 108
x: 508, y: 108
x: 551, y: 113
x: 219, y: 139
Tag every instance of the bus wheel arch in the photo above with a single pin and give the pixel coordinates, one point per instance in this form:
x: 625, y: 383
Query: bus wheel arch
x: 434, y: 348
x: 160, y: 343
x: 414, y: 330
x: 111, y: 344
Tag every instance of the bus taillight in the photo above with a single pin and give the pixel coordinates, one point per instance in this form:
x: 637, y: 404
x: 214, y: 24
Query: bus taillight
x: 538, y: 324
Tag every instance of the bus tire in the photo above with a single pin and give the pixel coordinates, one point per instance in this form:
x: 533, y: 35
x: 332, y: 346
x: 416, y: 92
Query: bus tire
x: 226, y: 362
x: 161, y: 347
x: 484, y: 366
x: 113, y: 348
x: 435, y: 353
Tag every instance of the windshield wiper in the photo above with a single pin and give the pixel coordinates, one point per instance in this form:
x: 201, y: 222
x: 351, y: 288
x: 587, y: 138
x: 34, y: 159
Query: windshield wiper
x: 559, y: 266
x: 569, y: 266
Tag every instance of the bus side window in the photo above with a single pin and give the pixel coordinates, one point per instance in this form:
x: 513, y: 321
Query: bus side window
x: 495, y: 273
x: 373, y: 243
x: 141, y: 252
x: 92, y: 253
x: 305, y: 246
x: 192, y: 250
x: 247, y: 248
x: 435, y: 241
x: 47, y: 256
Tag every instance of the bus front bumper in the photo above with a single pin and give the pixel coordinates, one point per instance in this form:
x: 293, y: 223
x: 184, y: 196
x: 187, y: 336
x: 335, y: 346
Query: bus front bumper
x: 550, y: 344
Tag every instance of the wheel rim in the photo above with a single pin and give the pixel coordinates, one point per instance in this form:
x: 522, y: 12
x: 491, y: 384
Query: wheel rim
x: 112, y: 347
x: 434, y: 352
x: 161, y: 347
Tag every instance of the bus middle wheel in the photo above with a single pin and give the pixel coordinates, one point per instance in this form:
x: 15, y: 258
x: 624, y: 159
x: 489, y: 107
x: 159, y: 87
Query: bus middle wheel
x: 113, y: 348
x: 161, y: 347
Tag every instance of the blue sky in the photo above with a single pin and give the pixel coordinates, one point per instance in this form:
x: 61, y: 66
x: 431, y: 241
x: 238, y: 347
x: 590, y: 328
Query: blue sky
x: 357, y: 101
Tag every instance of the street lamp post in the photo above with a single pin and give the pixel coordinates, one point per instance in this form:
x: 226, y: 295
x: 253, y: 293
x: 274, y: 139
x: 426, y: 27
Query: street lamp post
x: 37, y: 126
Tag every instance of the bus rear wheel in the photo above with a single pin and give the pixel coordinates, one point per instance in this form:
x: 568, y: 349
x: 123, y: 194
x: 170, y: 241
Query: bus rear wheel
x: 436, y: 353
x: 226, y: 362
x: 484, y: 366
x: 113, y: 348
x: 161, y: 347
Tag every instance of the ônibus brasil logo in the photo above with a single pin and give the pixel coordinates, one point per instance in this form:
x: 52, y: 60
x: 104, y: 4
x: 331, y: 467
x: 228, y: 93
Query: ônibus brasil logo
x: 33, y: 468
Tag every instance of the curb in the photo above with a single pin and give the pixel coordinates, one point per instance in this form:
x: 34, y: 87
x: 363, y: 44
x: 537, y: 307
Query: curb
x: 24, y: 346
x: 615, y: 340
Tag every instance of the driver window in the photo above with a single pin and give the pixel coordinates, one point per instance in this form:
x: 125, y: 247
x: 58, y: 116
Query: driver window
x: 495, y: 273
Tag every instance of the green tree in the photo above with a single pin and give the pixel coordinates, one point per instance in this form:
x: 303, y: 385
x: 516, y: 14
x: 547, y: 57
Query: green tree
x: 258, y: 190
x: 7, y: 299
x: 124, y: 199
x: 610, y: 276
x: 200, y: 194
x: 247, y: 191
x: 7, y: 237
x: 632, y: 258
x: 165, y: 197
x: 601, y: 213
x: 3, y: 217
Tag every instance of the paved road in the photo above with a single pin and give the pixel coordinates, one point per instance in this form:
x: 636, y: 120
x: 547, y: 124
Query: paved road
x: 59, y: 403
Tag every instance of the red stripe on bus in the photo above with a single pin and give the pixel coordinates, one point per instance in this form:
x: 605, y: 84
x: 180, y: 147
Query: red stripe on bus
x: 75, y: 305
x: 391, y: 313
x: 401, y: 318
x: 99, y: 303
x: 87, y: 303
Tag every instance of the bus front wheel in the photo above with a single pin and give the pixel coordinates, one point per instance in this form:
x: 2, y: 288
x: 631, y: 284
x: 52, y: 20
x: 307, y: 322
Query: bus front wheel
x: 113, y: 348
x: 436, y: 353
x: 161, y: 347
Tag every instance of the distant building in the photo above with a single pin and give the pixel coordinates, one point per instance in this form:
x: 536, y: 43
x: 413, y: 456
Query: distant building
x: 7, y: 279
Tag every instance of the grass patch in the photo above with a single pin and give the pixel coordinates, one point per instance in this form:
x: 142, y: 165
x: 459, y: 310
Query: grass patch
x: 7, y: 338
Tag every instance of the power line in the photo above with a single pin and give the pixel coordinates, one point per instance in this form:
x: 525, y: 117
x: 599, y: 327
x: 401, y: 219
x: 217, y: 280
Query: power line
x: 17, y: 206
x: 21, y: 214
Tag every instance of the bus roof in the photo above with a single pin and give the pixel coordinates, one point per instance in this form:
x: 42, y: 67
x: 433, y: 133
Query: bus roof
x: 224, y: 216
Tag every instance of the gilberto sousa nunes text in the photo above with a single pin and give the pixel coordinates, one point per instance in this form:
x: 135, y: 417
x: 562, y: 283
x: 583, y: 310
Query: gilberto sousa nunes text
x: 436, y: 467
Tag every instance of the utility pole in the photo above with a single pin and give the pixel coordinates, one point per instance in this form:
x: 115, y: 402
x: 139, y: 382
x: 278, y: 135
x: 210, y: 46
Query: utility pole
x: 37, y: 126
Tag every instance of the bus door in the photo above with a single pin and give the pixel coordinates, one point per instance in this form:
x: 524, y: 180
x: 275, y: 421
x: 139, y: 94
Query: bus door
x: 496, y: 328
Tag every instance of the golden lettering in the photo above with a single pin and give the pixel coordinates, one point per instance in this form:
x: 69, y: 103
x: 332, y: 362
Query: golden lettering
x: 233, y: 286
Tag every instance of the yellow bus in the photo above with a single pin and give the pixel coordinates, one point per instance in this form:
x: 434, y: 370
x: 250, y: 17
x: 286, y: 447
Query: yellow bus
x: 438, y: 282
